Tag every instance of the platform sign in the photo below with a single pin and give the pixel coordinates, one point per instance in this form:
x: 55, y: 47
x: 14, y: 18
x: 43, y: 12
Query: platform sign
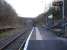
x: 58, y: 9
x: 60, y: 3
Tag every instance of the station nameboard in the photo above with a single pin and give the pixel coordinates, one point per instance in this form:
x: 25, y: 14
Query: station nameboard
x: 59, y: 3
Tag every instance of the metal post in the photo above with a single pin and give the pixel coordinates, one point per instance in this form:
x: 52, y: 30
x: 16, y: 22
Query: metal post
x: 63, y: 16
x: 63, y: 9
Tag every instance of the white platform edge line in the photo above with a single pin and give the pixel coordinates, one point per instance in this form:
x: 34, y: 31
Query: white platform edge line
x: 26, y: 45
x: 38, y: 35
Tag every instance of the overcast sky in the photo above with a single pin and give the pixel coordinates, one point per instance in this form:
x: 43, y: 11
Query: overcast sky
x: 30, y: 8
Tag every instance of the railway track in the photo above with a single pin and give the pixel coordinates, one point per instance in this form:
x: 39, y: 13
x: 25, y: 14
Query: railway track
x: 15, y: 43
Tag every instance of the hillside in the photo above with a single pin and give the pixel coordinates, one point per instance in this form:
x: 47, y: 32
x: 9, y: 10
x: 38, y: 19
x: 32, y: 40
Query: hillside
x: 7, y: 15
x: 9, y: 18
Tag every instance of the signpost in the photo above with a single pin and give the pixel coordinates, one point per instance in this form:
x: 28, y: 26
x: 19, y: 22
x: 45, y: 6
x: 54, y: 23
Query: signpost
x: 59, y: 3
x: 59, y: 8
